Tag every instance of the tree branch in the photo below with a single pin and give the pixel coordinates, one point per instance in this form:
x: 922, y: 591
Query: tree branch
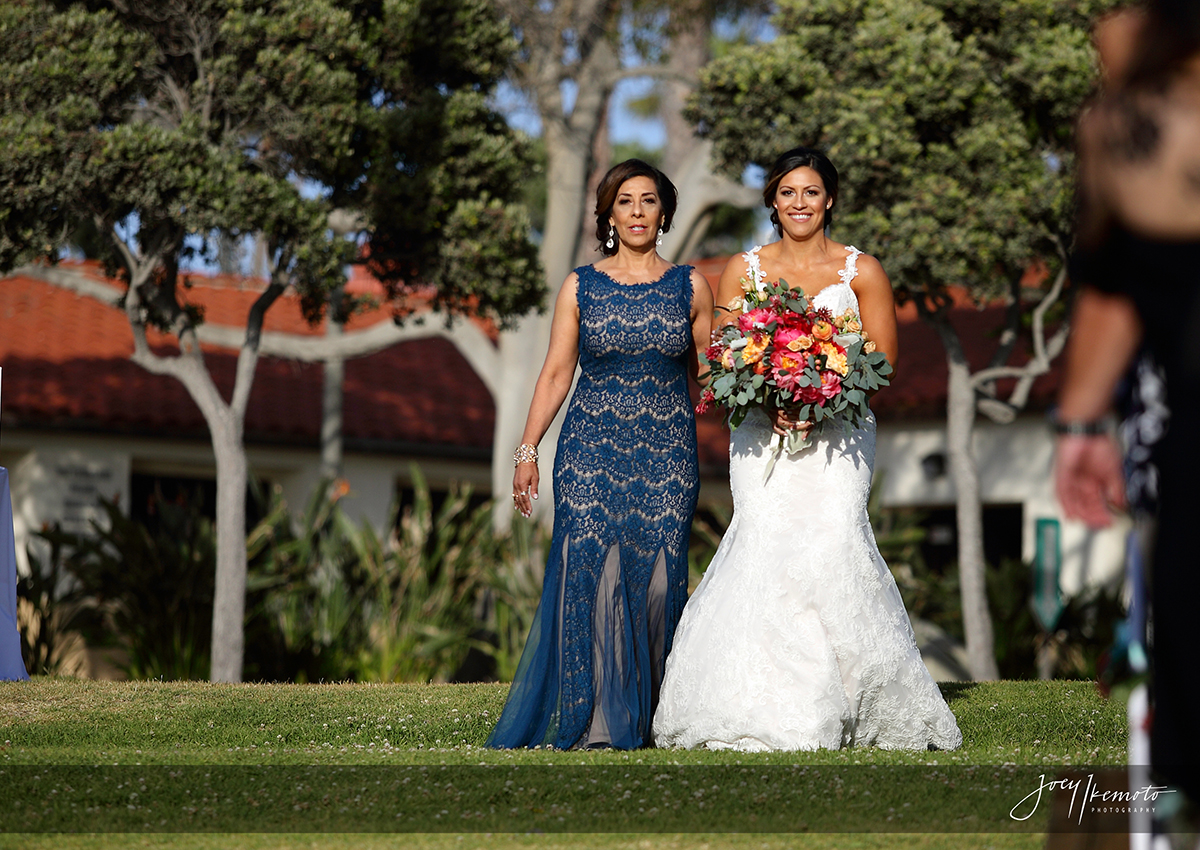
x: 73, y: 280
x: 1012, y: 323
x: 1044, y: 353
x: 469, y: 339
x: 251, y: 347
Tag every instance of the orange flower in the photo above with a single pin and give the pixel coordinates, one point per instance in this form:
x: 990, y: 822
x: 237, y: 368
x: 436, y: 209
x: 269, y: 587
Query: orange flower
x: 835, y: 358
x: 756, y: 344
x: 800, y: 343
x: 823, y: 329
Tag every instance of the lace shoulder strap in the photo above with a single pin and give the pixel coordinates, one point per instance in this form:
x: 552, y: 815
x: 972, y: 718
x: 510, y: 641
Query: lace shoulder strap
x: 685, y: 284
x: 850, y: 270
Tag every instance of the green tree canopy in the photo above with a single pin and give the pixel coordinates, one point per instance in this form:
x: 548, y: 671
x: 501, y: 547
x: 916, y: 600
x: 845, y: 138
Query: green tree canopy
x: 950, y: 122
x: 161, y: 127
x: 153, y: 121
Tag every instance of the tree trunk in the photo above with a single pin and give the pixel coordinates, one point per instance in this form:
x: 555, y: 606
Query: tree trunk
x: 229, y: 600
x: 334, y: 374
x: 574, y: 144
x: 960, y: 421
x: 523, y: 350
x: 331, y: 414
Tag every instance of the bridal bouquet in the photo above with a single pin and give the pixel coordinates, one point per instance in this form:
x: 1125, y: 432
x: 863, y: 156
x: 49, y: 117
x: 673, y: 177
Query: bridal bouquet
x: 782, y: 352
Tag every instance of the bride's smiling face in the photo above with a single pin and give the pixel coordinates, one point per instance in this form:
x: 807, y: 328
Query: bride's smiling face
x: 801, y: 202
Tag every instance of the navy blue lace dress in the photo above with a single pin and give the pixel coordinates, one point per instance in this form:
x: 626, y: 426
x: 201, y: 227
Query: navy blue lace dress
x: 625, y: 485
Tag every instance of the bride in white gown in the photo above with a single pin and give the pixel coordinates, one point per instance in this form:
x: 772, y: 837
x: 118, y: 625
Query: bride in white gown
x: 797, y: 638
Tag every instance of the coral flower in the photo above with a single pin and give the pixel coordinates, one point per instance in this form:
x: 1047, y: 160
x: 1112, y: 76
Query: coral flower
x: 788, y: 367
x: 823, y: 329
x: 831, y: 384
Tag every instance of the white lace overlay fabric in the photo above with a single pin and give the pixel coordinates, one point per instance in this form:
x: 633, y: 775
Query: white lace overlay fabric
x: 838, y: 298
x: 797, y: 638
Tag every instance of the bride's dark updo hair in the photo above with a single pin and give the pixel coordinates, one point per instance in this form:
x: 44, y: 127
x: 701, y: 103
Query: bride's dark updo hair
x: 610, y: 185
x: 789, y: 162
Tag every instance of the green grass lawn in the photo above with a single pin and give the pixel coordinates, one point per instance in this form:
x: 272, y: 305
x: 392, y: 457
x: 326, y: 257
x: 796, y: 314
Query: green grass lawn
x: 184, y: 764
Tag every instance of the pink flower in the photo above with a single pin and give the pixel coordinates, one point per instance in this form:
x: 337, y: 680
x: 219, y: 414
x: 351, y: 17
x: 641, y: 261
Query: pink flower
x: 809, y: 395
x: 831, y: 384
x: 787, y: 369
x: 794, y: 339
x: 760, y: 317
x: 785, y: 337
x: 706, y: 400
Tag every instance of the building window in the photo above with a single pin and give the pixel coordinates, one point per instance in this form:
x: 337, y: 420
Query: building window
x: 1002, y: 532
x: 147, y: 492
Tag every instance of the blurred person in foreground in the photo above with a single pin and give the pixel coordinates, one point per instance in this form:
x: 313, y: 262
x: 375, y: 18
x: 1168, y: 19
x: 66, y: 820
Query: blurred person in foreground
x: 1138, y: 261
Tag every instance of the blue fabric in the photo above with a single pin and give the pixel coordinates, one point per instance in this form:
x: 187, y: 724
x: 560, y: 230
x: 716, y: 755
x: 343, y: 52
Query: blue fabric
x: 625, y: 483
x: 12, y: 667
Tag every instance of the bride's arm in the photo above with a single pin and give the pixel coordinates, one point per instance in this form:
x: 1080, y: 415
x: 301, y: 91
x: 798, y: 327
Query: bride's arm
x: 728, y: 304
x: 877, y: 307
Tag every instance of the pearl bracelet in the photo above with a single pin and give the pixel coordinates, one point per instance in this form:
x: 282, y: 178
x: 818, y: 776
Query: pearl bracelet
x: 525, y: 453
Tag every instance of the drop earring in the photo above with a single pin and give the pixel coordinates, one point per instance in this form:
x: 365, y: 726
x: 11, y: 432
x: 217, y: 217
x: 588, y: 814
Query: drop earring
x: 658, y: 239
x: 611, y: 232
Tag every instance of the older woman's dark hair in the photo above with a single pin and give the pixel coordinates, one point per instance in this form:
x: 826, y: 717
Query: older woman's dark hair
x: 610, y: 185
x: 789, y: 162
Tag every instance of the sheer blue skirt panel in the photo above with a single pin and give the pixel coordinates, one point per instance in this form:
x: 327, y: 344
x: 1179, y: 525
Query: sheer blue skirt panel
x: 614, y: 589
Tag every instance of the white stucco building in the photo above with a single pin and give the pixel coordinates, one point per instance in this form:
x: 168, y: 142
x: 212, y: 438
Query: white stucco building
x: 79, y: 421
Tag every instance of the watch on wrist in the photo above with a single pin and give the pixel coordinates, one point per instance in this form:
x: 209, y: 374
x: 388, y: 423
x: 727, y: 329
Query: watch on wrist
x: 1080, y: 427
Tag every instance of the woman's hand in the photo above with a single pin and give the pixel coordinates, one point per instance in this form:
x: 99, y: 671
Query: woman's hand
x: 784, y: 422
x: 525, y: 487
x: 1089, y: 479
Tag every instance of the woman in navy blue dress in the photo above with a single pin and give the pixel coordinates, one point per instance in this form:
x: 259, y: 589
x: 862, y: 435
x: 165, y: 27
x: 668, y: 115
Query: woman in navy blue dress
x: 625, y: 480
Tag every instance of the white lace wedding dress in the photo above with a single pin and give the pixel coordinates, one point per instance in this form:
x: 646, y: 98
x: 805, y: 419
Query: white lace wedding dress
x: 797, y: 638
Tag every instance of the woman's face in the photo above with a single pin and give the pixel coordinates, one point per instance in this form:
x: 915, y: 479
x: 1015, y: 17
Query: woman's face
x: 637, y: 212
x: 801, y: 201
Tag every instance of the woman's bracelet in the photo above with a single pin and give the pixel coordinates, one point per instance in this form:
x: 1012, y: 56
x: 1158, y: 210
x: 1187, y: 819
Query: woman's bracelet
x: 1080, y: 427
x: 525, y: 453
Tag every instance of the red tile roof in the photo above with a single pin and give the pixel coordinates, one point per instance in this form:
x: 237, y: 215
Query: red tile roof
x: 66, y: 365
